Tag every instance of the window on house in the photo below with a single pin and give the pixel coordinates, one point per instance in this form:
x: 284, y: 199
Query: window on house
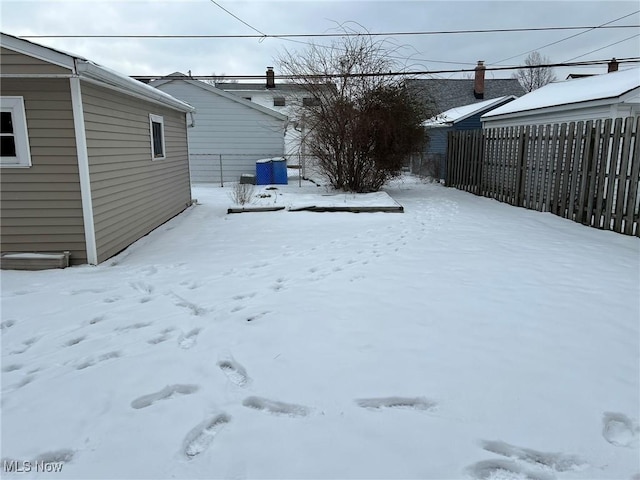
x: 310, y: 101
x: 278, y: 102
x: 157, y: 137
x: 14, y: 139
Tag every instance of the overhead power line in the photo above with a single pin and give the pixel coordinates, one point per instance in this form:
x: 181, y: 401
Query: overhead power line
x: 238, y: 18
x: 345, y: 34
x: 567, y: 38
x: 394, y: 74
x: 606, y: 46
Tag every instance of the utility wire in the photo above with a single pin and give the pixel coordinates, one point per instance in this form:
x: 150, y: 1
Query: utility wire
x: 606, y: 46
x: 238, y: 18
x: 567, y: 38
x: 344, y: 34
x: 412, y: 73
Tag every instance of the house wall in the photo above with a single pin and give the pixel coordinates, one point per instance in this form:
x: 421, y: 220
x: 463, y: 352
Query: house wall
x: 131, y: 193
x: 437, y: 139
x: 562, y: 115
x: 292, y: 138
x: 40, y: 206
x: 17, y: 63
x: 239, y: 133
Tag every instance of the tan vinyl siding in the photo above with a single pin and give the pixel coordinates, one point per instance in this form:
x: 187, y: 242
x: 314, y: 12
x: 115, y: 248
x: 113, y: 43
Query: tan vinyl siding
x: 131, y: 193
x: 17, y: 63
x: 40, y: 206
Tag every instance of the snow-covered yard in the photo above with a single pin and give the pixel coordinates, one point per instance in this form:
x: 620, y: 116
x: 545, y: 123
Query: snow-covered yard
x: 462, y: 339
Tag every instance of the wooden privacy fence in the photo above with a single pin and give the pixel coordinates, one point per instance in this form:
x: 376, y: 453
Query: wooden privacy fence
x: 586, y: 171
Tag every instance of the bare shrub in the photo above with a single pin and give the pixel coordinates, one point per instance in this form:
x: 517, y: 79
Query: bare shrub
x: 242, y: 193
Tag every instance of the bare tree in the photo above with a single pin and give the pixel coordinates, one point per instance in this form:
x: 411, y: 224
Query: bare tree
x: 360, y: 123
x: 537, y: 75
x: 216, y: 79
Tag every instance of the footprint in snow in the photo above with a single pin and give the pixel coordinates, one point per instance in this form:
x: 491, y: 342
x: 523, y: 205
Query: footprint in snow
x: 188, y: 340
x: 275, y: 407
x: 11, y: 368
x: 74, y: 341
x: 162, y: 337
x: 504, y: 470
x: 559, y: 462
x: 26, y: 345
x: 234, y: 372
x: 619, y: 430
x: 141, y: 287
x: 201, y: 436
x: 91, y: 361
x: 195, y: 309
x: 55, y: 456
x: 7, y: 324
x: 169, y: 391
x: 416, y: 403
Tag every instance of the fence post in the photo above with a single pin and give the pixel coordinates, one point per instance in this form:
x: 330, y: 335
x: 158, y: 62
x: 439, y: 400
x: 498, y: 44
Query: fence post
x: 221, y: 181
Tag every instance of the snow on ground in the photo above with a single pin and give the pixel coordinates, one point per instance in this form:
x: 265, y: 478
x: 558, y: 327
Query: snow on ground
x: 464, y: 338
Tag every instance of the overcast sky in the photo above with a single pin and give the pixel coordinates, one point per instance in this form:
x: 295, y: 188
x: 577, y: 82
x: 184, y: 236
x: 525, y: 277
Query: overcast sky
x: 251, y: 56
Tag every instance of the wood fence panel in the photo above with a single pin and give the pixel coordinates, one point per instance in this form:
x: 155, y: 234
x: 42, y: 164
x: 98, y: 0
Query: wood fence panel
x: 602, y: 175
x: 587, y: 171
x: 566, y: 169
x: 633, y: 215
x: 551, y: 159
x: 537, y: 160
x: 544, y: 168
x: 594, y: 162
x: 575, y: 170
x: 521, y: 168
x: 611, y: 177
x: 581, y: 214
x: 557, y: 189
x: 623, y: 175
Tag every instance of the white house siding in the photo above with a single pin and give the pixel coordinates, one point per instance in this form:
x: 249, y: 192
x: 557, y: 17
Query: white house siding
x: 265, y: 97
x: 226, y: 130
x: 561, y: 115
x: 131, y: 193
x: 40, y: 206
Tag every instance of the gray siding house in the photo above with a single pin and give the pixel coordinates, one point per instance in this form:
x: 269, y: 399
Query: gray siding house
x: 230, y: 132
x: 91, y: 160
x: 466, y: 117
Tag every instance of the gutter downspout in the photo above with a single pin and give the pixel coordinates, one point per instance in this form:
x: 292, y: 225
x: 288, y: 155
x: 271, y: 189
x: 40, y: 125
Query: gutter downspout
x: 83, y: 168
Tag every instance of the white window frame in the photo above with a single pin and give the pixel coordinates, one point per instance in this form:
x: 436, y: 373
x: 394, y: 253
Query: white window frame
x: 157, y: 119
x: 15, y: 105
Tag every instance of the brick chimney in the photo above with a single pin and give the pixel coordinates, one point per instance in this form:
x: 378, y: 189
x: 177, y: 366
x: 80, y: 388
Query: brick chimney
x: 271, y: 80
x: 613, y: 66
x: 478, y: 84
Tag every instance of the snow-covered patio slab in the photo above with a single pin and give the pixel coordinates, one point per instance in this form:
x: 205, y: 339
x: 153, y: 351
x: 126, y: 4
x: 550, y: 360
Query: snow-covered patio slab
x: 309, y: 197
x: 464, y: 339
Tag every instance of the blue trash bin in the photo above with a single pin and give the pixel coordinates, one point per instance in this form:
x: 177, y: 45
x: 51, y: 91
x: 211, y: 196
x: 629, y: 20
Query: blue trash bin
x: 264, y: 172
x: 280, y: 171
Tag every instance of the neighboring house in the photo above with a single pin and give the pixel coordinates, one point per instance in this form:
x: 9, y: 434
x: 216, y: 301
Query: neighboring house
x: 91, y: 160
x: 230, y: 133
x: 281, y: 97
x: 610, y: 95
x: 441, y: 95
x: 466, y: 117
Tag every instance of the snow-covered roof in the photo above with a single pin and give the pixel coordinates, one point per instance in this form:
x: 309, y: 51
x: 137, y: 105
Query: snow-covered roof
x: 457, y: 114
x: 215, y: 91
x: 89, y: 70
x: 598, y: 87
